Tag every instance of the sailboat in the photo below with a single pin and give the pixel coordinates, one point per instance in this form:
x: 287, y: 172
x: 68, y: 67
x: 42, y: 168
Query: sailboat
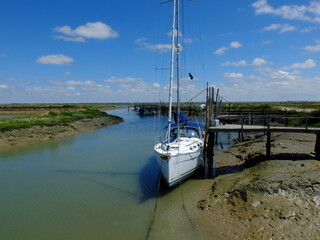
x: 180, y: 154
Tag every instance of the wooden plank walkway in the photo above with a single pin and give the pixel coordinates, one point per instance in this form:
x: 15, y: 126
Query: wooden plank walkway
x: 266, y: 129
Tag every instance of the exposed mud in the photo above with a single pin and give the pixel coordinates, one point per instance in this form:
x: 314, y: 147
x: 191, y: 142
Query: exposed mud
x: 274, y: 199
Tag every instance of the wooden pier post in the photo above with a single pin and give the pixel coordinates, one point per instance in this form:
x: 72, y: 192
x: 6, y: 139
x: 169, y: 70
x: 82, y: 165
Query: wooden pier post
x: 317, y: 146
x: 210, y: 153
x: 241, y: 133
x: 268, y: 146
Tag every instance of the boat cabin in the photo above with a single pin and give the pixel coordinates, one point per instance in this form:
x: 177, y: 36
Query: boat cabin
x: 190, y: 130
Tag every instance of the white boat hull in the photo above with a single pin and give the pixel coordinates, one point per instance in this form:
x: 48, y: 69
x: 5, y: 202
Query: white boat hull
x: 179, y: 163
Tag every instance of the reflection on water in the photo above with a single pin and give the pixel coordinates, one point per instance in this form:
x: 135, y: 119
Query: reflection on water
x: 97, y: 185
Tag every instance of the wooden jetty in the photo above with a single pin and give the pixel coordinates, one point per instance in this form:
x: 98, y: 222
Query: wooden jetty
x: 265, y: 129
x: 239, y: 128
x: 213, y: 110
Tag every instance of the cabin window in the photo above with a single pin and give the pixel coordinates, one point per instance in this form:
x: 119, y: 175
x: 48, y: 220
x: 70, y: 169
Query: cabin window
x: 184, y: 132
x: 193, y: 133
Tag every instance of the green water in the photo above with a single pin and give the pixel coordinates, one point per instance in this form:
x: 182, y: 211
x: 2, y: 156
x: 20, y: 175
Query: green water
x: 96, y: 185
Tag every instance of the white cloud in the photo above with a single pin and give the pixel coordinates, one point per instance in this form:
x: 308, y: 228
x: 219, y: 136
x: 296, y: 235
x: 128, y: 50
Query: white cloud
x: 266, y: 42
x: 140, y: 40
x: 241, y: 63
x: 281, y: 27
x: 55, y: 94
x: 153, y: 47
x: 277, y: 84
x: 235, y: 44
x: 232, y: 75
x: 119, y: 80
x: 96, y: 30
x: 280, y: 74
x: 308, y: 29
x: 310, y: 63
x: 70, y: 39
x: 97, y: 90
x: 310, y: 13
x: 58, y: 59
x: 158, y: 47
x: 156, y: 85
x: 4, y: 87
x: 313, y: 48
x: 237, y: 64
x: 174, y: 32
x: 221, y: 51
x: 73, y: 83
x: 259, y: 62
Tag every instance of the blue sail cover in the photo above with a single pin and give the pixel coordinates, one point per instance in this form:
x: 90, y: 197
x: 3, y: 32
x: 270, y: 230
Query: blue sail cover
x: 183, y: 119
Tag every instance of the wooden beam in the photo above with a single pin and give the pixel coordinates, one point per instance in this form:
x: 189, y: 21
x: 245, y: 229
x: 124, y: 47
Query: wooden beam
x: 317, y: 147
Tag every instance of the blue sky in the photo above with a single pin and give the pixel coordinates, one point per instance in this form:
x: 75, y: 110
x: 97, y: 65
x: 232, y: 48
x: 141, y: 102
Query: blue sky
x: 107, y: 51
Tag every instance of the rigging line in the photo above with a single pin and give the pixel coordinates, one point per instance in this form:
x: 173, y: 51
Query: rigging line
x: 196, y: 95
x: 166, y: 2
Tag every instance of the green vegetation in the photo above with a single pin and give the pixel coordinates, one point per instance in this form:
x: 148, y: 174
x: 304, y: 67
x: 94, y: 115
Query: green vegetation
x: 299, y: 114
x: 44, y: 107
x: 311, y: 119
x: 52, y: 118
x: 272, y: 106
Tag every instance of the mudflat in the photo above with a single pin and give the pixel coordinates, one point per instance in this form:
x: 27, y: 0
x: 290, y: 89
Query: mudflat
x: 254, y: 198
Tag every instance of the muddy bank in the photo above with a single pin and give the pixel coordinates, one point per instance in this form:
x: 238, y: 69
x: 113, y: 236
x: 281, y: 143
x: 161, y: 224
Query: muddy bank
x: 274, y: 199
x: 37, y: 134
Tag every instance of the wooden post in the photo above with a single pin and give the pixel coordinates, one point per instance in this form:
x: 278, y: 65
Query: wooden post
x: 212, y: 116
x: 241, y: 119
x: 268, y: 150
x: 216, y: 138
x: 216, y: 104
x: 268, y: 145
x: 207, y: 108
x: 306, y: 121
x: 317, y: 147
x: 210, y: 153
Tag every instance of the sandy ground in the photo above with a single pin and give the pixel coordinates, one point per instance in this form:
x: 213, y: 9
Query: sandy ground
x: 37, y: 134
x: 256, y: 199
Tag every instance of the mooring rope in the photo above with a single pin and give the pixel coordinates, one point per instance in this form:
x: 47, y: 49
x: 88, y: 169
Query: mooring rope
x: 183, y: 202
x: 185, y: 209
x: 155, y: 207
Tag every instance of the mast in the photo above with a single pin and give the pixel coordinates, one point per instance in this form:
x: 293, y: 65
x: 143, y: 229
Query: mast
x: 178, y: 66
x: 171, y: 67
